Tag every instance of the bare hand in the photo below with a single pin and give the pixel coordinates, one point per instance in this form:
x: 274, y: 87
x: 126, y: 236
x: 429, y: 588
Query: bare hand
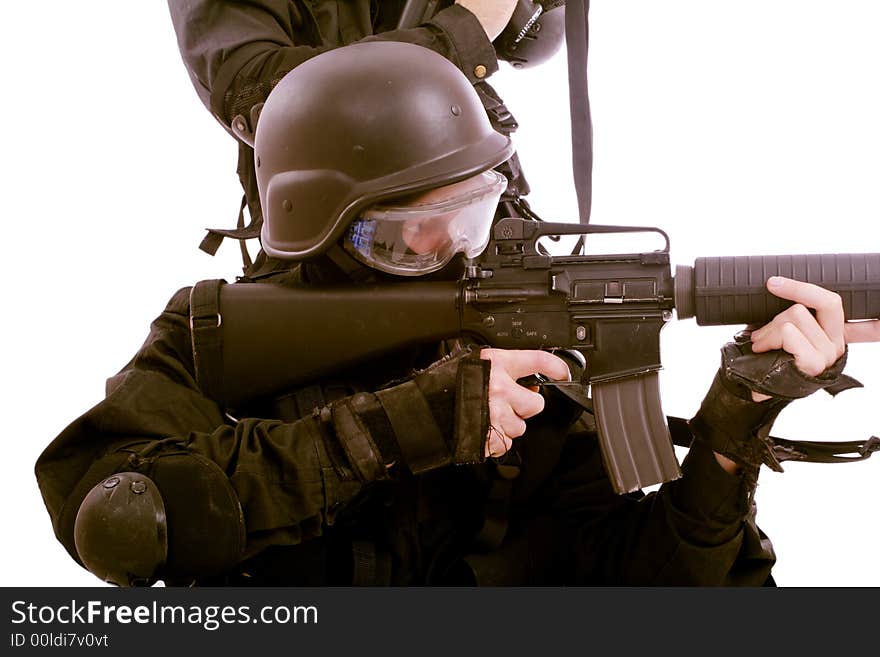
x: 492, y: 14
x: 510, y: 404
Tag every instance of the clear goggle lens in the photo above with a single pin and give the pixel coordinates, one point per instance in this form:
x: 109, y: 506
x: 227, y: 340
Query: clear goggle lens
x: 422, y: 234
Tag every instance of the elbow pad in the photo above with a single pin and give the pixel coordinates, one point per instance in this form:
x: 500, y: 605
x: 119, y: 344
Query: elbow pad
x: 171, y: 515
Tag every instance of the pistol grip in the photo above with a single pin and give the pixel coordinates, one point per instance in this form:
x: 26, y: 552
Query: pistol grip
x: 633, y: 434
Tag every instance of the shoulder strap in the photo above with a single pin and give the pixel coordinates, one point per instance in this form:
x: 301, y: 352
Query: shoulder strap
x: 206, y: 336
x: 577, y: 41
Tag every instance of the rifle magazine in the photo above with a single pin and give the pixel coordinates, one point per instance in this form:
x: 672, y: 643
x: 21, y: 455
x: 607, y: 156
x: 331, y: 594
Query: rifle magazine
x: 636, y: 445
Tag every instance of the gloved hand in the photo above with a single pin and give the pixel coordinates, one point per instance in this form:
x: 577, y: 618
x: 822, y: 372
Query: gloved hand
x: 814, y: 344
x: 794, y: 355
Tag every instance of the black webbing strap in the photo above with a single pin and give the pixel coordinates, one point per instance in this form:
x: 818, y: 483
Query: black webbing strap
x: 233, y: 63
x: 824, y: 452
x: 419, y: 438
x: 206, y: 337
x: 215, y: 236
x: 794, y: 450
x: 577, y: 41
x: 223, y: 81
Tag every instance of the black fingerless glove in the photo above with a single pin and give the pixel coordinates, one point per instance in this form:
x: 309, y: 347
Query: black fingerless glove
x: 733, y: 425
x: 737, y: 427
x: 774, y: 373
x: 438, y: 417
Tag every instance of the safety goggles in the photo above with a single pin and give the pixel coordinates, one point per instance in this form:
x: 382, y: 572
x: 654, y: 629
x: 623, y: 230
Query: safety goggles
x: 421, y: 234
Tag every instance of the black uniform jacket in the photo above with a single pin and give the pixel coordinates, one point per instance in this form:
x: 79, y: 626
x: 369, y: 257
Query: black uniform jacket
x: 309, y: 520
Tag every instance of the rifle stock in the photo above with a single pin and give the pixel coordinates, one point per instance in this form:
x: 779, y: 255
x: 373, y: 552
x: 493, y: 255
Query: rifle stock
x: 610, y: 308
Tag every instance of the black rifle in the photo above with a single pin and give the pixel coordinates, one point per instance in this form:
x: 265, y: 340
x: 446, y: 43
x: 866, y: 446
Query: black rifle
x: 266, y: 339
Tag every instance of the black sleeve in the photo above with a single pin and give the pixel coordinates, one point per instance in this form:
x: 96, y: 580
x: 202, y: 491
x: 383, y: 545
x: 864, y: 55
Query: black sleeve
x: 698, y: 530
x: 235, y: 52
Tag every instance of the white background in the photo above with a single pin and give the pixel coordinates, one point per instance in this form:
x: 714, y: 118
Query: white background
x: 739, y: 128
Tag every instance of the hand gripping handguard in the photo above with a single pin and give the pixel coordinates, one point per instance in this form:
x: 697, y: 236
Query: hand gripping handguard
x: 734, y: 425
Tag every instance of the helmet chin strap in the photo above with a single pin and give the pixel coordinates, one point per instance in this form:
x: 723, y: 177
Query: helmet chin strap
x: 351, y: 268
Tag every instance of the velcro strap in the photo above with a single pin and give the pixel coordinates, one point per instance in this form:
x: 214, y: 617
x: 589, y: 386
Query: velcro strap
x: 362, y: 453
x: 471, y: 410
x: 419, y: 438
x: 206, y: 336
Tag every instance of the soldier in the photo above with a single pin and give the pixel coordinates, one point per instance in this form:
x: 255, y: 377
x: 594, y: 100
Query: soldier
x: 431, y: 465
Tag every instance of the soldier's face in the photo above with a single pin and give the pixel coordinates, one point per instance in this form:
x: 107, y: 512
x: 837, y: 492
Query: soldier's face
x: 426, y: 234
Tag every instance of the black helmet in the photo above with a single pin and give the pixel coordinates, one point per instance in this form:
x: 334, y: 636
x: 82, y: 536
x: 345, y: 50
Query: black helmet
x: 359, y: 124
